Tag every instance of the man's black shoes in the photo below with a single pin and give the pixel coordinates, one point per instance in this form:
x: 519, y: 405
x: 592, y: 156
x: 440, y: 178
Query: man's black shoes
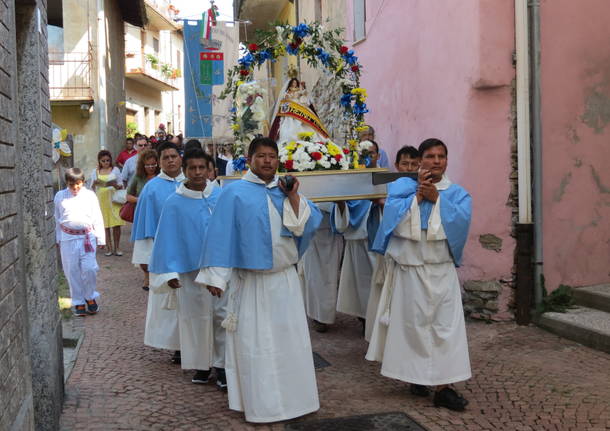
x: 419, y: 390
x: 450, y: 399
x: 201, y: 377
x: 177, y: 359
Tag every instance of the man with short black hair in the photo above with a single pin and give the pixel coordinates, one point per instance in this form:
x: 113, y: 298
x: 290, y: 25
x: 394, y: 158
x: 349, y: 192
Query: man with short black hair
x: 407, y: 159
x: 269, y: 363
x: 419, y: 334
x: 175, y: 261
x: 79, y: 228
x: 161, y: 325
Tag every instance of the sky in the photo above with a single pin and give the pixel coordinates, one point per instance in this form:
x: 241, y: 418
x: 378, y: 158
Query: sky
x: 193, y: 9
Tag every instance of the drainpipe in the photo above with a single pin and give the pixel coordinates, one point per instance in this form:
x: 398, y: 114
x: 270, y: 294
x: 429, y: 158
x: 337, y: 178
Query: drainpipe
x: 101, y: 73
x: 524, y: 228
x: 537, y: 146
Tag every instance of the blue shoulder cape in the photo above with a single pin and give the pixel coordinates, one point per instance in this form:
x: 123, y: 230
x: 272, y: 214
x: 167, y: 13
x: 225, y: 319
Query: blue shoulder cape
x: 148, y: 210
x: 181, y: 233
x: 358, y: 210
x: 239, y: 234
x: 455, y: 215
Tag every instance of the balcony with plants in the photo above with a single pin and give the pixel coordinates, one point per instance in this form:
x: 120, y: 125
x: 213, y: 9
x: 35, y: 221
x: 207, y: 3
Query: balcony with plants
x: 147, y: 69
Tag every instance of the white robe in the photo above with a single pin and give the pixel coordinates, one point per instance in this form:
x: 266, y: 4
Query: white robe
x: 269, y: 363
x: 195, y: 308
x: 161, y: 330
x: 319, y: 270
x: 357, y: 268
x: 425, y: 341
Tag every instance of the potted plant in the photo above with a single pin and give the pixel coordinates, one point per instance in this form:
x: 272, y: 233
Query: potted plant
x: 152, y: 60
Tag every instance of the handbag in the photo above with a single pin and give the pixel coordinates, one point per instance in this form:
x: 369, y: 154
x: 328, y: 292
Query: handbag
x: 127, y: 211
x: 119, y: 196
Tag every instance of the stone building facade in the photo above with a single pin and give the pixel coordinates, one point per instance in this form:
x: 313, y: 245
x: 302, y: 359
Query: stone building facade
x: 31, y: 365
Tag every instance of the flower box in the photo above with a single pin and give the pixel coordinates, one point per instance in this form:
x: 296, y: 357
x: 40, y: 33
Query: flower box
x: 334, y: 185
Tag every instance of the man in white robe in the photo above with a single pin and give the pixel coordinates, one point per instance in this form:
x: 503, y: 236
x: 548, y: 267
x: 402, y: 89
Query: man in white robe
x: 175, y: 262
x: 352, y: 220
x: 319, y: 270
x: 269, y: 362
x: 357, y: 221
x: 407, y: 160
x: 419, y: 334
x: 79, y: 229
x: 161, y: 330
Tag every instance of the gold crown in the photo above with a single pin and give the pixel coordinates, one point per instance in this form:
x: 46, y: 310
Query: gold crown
x: 292, y: 72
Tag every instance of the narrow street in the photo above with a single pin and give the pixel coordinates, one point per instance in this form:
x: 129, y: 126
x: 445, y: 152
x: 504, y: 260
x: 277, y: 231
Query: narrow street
x: 524, y: 378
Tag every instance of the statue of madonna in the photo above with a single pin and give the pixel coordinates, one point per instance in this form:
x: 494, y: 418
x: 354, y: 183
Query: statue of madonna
x: 294, y: 114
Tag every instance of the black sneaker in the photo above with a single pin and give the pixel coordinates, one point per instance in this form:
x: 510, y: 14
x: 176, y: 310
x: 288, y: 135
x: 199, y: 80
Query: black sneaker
x: 320, y: 327
x: 80, y: 310
x: 221, y: 378
x: 419, y: 390
x: 177, y: 359
x: 450, y: 399
x: 92, y: 306
x: 201, y: 377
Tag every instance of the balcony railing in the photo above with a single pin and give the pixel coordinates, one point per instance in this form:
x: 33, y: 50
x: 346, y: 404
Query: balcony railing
x: 70, y: 76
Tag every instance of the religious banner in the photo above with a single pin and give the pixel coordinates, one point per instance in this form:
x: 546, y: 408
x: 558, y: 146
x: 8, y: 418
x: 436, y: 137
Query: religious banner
x: 197, y: 94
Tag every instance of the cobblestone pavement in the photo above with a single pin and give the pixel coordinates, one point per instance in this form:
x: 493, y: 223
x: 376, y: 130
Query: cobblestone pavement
x: 523, y: 377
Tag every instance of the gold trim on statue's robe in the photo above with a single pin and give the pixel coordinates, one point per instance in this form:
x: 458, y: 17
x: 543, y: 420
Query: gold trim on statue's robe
x: 288, y: 108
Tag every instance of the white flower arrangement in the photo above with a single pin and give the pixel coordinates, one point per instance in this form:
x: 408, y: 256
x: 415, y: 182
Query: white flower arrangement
x: 304, y: 155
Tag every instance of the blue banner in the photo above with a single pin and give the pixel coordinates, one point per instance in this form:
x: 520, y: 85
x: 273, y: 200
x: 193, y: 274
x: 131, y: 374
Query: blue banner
x: 198, y: 97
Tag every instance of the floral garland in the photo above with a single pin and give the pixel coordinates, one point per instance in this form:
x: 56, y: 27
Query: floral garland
x: 320, y: 48
x: 249, y: 112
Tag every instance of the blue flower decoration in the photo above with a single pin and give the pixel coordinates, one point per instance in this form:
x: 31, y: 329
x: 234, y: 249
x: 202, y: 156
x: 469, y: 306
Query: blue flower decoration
x: 301, y: 30
x: 360, y: 108
x: 246, y: 60
x: 239, y: 164
x: 323, y: 56
x: 233, y: 110
x: 346, y: 99
x: 263, y: 56
x: 350, y: 58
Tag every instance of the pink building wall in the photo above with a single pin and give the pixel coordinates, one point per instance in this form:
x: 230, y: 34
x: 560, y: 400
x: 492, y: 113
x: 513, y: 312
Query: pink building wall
x: 444, y: 69
x: 575, y: 63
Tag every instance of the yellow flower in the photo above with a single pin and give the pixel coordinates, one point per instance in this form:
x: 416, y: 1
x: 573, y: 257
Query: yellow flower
x: 239, y: 83
x: 333, y: 150
x: 305, y: 135
x: 362, y: 128
x: 340, y: 65
x: 360, y: 93
x: 353, y: 143
x: 291, y: 146
x: 235, y: 127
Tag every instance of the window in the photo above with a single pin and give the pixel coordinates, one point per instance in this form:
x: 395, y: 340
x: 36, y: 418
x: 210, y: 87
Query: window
x: 359, y: 20
x: 156, y: 45
x: 179, y: 59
